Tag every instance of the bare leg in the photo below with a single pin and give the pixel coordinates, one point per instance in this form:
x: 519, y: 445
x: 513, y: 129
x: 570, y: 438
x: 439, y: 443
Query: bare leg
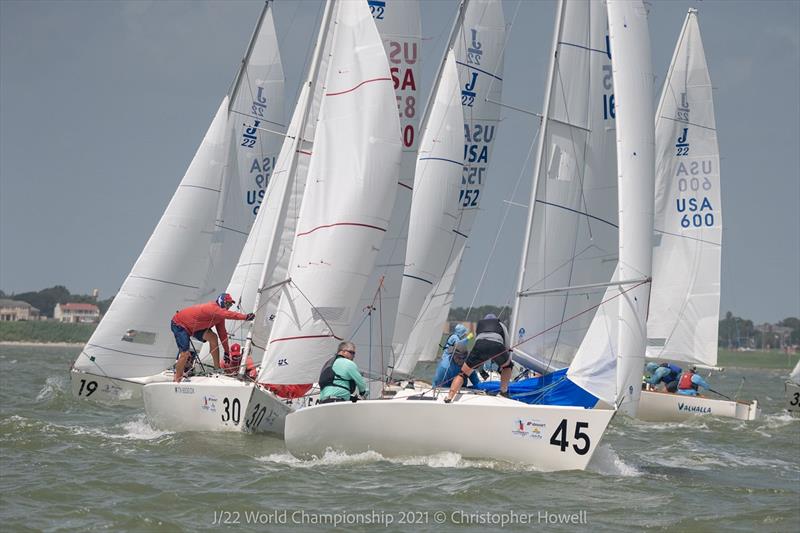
x: 458, y: 381
x: 505, y: 377
x: 184, y: 356
x: 211, y: 338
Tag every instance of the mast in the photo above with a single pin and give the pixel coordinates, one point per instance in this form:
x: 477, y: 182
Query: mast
x: 313, y: 73
x: 537, y: 165
x: 234, y: 89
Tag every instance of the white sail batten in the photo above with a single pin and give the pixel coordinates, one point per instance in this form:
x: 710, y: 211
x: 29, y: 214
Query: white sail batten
x: 572, y: 236
x: 345, y: 210
x: 633, y: 87
x: 400, y: 27
x: 684, y: 303
x: 478, y: 47
x: 133, y: 339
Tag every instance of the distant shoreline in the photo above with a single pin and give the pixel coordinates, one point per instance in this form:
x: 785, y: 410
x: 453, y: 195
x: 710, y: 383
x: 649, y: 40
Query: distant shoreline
x: 34, y: 343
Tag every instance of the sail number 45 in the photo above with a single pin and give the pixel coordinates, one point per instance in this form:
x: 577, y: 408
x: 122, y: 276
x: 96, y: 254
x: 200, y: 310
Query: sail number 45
x: 559, y: 438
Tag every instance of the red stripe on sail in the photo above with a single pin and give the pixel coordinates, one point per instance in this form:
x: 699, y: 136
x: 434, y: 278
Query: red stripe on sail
x: 305, y: 337
x: 357, y: 86
x: 340, y: 224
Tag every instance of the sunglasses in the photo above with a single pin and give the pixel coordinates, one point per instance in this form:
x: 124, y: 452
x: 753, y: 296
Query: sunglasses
x: 352, y: 352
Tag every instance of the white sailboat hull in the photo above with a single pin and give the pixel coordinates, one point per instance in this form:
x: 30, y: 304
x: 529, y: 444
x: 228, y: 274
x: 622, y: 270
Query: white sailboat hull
x: 214, y: 403
x: 509, y: 430
x: 102, y: 389
x: 793, y: 396
x: 668, y: 407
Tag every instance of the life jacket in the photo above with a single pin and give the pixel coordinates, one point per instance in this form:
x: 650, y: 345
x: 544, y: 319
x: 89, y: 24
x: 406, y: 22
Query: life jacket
x: 686, y: 382
x: 490, y: 325
x: 327, y: 375
x: 674, y: 372
x: 231, y: 365
x: 290, y: 391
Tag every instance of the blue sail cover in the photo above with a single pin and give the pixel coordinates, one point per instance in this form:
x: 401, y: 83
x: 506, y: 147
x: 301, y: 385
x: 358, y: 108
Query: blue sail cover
x: 551, y: 389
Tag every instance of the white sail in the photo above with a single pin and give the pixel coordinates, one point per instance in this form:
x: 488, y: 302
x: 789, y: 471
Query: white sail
x: 478, y: 47
x: 572, y: 233
x: 684, y: 303
x: 134, y: 338
x: 256, y: 106
x: 633, y: 87
x: 795, y: 375
x: 345, y: 209
x: 399, y: 25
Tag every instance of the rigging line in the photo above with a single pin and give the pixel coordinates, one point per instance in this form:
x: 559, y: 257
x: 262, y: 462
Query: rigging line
x: 576, y: 315
x: 332, y: 334
x: 587, y: 215
x: 673, y: 119
x: 380, y: 330
x: 509, y: 27
x: 502, y: 223
x: 664, y: 232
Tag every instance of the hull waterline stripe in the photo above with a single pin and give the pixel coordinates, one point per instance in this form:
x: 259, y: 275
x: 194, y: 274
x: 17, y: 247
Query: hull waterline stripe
x: 340, y: 224
x: 357, y: 86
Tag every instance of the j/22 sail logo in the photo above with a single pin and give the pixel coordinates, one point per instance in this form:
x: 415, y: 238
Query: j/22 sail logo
x: 683, y: 143
x: 259, y: 105
x: 682, y: 113
x: 468, y: 94
x: 377, y: 8
x: 474, y: 51
x: 250, y: 134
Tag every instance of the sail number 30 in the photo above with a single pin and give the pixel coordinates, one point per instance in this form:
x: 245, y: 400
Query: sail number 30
x: 559, y: 438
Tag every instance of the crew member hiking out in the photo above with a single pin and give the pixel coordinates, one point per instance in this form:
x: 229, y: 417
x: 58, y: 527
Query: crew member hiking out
x: 665, y: 373
x: 340, y: 377
x: 691, y: 382
x: 196, y: 321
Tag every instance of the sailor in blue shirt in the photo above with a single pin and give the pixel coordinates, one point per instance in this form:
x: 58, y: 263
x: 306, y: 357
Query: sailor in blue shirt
x: 451, y: 362
x: 665, y: 373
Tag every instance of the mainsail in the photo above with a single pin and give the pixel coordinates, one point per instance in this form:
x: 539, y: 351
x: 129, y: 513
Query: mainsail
x: 571, y: 239
x: 684, y: 304
x: 477, y: 43
x: 181, y: 261
x: 345, y: 209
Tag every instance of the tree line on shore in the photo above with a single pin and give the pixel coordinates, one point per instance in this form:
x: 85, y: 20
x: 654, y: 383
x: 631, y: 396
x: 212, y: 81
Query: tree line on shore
x: 734, y: 332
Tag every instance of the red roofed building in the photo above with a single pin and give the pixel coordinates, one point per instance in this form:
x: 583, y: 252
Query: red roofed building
x: 75, y: 312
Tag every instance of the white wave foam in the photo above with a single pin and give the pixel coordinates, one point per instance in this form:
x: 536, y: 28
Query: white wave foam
x: 52, y: 386
x: 140, y: 429
x: 606, y: 461
x: 332, y: 457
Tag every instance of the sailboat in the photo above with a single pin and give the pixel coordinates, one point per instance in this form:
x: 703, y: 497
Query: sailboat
x: 792, y: 387
x: 684, y: 305
x: 200, y: 234
x: 432, y: 261
x: 549, y: 437
x: 348, y: 178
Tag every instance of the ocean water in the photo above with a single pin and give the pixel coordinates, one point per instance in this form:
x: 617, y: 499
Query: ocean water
x: 69, y: 465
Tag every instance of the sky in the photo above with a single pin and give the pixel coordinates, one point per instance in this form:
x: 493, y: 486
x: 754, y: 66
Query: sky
x: 103, y: 104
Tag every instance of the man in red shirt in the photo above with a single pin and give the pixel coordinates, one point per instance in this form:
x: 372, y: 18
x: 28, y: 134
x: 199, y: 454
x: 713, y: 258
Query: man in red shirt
x: 196, y: 321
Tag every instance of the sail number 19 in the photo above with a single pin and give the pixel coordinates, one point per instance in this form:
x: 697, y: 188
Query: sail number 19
x: 90, y: 387
x: 559, y: 438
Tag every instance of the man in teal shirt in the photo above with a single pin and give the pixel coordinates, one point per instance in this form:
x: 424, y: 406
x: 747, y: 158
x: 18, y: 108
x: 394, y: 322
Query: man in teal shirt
x: 340, y: 377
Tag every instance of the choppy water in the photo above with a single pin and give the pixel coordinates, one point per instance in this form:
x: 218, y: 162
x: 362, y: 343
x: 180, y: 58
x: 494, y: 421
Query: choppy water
x: 68, y: 465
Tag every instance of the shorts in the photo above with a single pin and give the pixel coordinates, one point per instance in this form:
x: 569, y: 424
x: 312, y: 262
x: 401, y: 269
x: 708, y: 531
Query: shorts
x: 182, y: 336
x: 672, y: 386
x: 485, y: 350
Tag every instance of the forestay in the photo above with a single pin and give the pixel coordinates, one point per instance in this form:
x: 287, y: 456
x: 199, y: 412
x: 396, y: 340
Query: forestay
x: 684, y: 304
x: 345, y: 209
x: 424, y: 304
x: 572, y: 233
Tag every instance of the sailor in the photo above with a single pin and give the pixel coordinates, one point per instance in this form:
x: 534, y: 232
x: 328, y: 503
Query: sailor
x: 665, y: 373
x: 491, y: 343
x: 196, y: 321
x: 340, y: 377
x: 453, y: 357
x: 231, y: 362
x: 690, y: 382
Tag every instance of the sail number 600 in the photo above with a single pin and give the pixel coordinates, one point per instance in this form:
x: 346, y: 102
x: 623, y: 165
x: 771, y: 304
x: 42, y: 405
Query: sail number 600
x: 559, y: 438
